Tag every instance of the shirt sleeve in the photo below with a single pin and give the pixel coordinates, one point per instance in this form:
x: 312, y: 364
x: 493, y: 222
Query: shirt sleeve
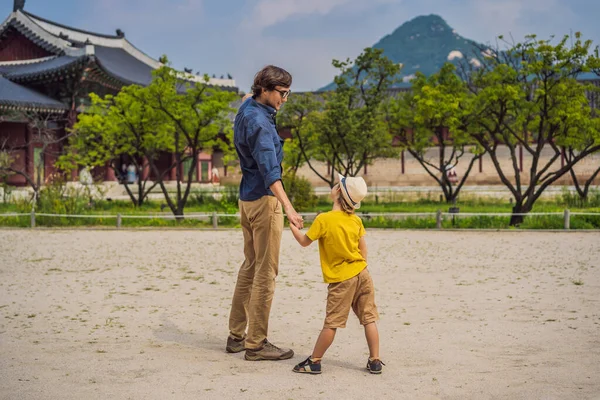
x: 263, y: 150
x: 361, y: 228
x: 316, y: 230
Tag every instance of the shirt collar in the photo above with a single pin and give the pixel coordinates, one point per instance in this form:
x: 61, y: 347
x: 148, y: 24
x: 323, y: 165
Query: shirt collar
x: 268, y: 109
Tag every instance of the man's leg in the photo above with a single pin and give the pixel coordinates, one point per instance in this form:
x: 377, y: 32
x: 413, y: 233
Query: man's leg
x: 268, y: 228
x: 238, y: 317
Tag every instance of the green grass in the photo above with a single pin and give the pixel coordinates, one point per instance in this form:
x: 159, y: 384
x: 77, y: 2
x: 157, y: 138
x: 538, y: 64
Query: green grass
x: 228, y: 205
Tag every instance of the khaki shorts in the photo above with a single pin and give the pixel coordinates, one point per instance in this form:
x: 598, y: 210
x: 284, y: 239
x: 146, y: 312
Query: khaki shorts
x: 357, y: 293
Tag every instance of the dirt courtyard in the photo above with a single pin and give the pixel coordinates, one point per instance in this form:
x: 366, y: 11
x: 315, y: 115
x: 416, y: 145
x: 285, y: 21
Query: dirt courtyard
x: 90, y: 314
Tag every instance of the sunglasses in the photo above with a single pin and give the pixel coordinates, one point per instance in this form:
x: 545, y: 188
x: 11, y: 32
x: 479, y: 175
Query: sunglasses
x: 284, y: 93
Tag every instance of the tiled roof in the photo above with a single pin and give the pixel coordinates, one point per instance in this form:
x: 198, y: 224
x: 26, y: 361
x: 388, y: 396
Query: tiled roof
x: 122, y: 66
x: 47, y: 67
x: 13, y: 95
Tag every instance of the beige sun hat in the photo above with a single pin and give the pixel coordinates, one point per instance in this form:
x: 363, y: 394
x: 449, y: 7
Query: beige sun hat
x: 354, y: 190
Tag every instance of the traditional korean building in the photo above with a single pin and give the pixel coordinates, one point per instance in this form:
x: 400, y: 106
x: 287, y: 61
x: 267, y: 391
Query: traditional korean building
x: 50, y: 69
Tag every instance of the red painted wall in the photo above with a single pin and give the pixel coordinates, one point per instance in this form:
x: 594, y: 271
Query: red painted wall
x: 13, y: 135
x: 15, y: 47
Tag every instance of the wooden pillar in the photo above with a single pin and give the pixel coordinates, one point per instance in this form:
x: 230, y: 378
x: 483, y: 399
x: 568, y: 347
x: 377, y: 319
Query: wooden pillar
x: 71, y: 120
x: 199, y: 169
x: 109, y: 173
x: 145, y: 169
x: 173, y: 172
x: 402, y: 161
x: 29, y: 163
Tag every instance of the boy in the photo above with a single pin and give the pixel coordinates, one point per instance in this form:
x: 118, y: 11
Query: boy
x: 343, y: 253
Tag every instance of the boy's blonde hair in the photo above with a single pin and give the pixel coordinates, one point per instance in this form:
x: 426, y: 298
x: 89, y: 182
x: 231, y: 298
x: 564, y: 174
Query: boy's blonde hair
x: 346, y: 207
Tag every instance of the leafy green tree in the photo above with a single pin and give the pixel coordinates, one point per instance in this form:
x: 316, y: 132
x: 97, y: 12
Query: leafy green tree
x: 199, y: 116
x: 171, y: 115
x: 345, y: 128
x: 121, y: 126
x: 297, y: 115
x: 436, y: 114
x: 528, y: 99
x: 583, y: 184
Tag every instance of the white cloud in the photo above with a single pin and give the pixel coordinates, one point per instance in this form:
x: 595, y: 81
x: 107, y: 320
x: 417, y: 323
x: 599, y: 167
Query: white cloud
x: 475, y: 62
x: 271, y: 12
x: 161, y: 14
x: 484, y: 20
x: 454, y: 54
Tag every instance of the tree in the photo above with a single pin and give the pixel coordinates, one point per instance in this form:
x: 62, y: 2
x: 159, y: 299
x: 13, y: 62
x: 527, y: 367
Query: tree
x: 199, y: 116
x: 345, y: 128
x: 45, y: 136
x: 115, y: 127
x: 297, y: 116
x: 436, y: 113
x: 582, y: 185
x: 527, y: 98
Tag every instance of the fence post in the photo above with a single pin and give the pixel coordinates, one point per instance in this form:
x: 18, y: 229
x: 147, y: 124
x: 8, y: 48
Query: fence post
x: 118, y: 221
x: 438, y: 219
x: 32, y: 218
x: 215, y: 220
x: 567, y: 219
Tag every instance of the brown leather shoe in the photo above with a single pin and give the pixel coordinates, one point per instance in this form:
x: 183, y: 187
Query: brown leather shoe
x: 268, y: 352
x: 234, y: 345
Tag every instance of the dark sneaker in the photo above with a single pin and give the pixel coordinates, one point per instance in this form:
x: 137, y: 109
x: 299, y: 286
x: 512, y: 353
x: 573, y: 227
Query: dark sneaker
x: 308, y: 367
x: 268, y: 352
x: 234, y: 345
x: 375, y: 366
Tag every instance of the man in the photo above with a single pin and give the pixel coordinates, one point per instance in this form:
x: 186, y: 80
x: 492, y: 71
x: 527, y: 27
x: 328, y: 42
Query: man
x: 262, y: 198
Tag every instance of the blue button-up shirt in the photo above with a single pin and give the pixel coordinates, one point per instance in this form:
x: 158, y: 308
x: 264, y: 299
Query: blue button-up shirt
x: 259, y: 148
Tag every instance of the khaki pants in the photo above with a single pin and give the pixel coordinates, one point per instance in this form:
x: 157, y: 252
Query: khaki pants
x: 262, y: 224
x: 357, y: 293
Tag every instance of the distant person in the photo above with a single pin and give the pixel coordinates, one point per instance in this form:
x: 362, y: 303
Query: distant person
x: 262, y: 198
x: 215, y: 175
x: 131, y: 174
x: 85, y: 176
x: 343, y: 252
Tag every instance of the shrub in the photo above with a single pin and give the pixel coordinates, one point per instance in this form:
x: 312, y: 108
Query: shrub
x: 300, y: 192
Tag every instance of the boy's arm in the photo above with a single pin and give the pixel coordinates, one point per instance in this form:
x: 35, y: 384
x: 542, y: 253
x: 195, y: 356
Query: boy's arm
x: 300, y: 237
x: 362, y: 246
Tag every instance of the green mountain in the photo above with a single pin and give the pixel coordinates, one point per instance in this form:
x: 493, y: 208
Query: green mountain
x: 424, y: 44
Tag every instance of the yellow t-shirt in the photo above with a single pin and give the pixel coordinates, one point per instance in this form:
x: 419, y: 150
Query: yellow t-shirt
x: 338, y: 234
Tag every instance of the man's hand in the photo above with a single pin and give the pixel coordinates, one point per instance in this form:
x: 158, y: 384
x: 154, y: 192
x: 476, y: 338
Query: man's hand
x: 247, y: 96
x: 294, y: 218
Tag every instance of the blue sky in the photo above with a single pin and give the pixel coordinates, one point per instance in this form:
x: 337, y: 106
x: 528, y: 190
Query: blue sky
x: 302, y: 36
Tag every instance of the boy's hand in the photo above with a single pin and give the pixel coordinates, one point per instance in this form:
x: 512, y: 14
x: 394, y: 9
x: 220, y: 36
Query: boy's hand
x: 300, y: 237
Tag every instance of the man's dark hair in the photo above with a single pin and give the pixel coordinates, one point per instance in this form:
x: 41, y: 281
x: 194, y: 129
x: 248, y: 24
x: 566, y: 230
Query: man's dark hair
x: 269, y: 77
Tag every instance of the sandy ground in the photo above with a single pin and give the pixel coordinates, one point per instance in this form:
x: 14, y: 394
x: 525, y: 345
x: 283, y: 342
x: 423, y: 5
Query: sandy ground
x: 143, y: 315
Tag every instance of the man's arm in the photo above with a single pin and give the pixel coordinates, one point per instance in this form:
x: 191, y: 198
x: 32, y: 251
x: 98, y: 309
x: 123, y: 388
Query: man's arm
x: 263, y: 151
x: 362, y: 247
x: 300, y: 237
x: 293, y: 217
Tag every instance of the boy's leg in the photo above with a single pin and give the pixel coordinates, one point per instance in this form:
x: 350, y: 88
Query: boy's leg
x: 238, y: 317
x: 372, y: 335
x: 365, y: 309
x: 323, y: 342
x: 339, y: 302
